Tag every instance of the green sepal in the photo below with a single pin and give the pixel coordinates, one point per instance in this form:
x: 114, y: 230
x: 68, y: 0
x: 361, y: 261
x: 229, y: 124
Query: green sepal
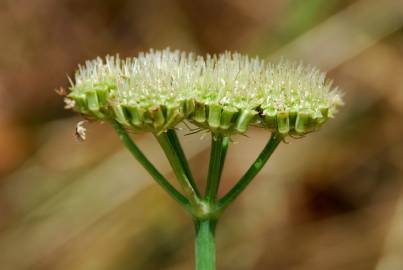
x: 200, y: 112
x: 157, y: 115
x: 244, y: 119
x: 120, y: 115
x: 283, y: 123
x: 136, y: 114
x: 269, y: 117
x: 189, y: 107
x: 227, y: 116
x: 93, y: 104
x: 214, y: 115
x: 148, y: 120
x: 102, y: 94
x: 172, y: 116
x: 293, y: 118
x: 324, y: 111
x: 92, y: 100
x: 303, y: 123
x: 80, y: 101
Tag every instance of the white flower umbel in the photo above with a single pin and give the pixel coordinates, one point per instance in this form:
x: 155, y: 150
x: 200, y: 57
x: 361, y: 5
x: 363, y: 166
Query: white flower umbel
x: 223, y: 93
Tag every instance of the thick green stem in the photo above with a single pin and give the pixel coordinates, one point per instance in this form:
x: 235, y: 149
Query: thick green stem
x: 205, y: 245
x: 173, y: 138
x: 179, y: 171
x: 251, y: 172
x: 219, y: 145
x: 158, y: 177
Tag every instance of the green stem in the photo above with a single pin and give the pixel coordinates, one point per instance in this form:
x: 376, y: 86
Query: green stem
x: 218, y: 151
x: 253, y: 170
x: 225, y: 144
x: 141, y: 158
x: 173, y: 138
x: 205, y: 245
x: 179, y: 171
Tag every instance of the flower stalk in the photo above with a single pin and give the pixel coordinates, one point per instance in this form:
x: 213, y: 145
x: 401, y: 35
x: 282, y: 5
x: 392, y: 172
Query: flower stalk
x: 141, y: 158
x: 250, y: 174
x: 219, y: 145
x: 174, y: 141
x: 171, y: 151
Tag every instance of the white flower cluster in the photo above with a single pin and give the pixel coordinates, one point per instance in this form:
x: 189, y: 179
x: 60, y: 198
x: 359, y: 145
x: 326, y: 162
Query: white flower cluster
x: 224, y: 93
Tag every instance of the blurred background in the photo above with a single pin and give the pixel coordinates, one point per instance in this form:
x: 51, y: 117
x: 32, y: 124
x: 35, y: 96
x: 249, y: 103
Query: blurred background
x: 331, y: 201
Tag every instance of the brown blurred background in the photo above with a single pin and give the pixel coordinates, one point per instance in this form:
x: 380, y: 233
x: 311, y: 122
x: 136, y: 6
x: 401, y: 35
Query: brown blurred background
x: 330, y: 201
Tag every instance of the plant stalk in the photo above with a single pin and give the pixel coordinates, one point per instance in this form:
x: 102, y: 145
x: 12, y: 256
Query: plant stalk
x: 205, y: 211
x: 219, y: 146
x: 141, y: 158
x: 205, y: 245
x: 173, y: 138
x: 250, y: 174
x: 180, y: 172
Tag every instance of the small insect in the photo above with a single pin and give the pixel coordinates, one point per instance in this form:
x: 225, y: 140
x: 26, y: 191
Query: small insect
x: 61, y: 91
x: 81, y: 131
x: 69, y: 103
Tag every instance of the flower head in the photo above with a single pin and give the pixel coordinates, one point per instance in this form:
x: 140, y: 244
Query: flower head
x: 223, y: 93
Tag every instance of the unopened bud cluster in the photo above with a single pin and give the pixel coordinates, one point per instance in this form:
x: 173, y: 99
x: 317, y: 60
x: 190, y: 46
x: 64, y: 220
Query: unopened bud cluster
x: 224, y: 93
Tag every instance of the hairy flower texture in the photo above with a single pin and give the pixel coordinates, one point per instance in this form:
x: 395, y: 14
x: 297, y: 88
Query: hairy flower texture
x: 224, y: 93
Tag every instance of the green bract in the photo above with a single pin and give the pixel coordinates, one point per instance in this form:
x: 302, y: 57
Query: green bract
x: 224, y: 93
